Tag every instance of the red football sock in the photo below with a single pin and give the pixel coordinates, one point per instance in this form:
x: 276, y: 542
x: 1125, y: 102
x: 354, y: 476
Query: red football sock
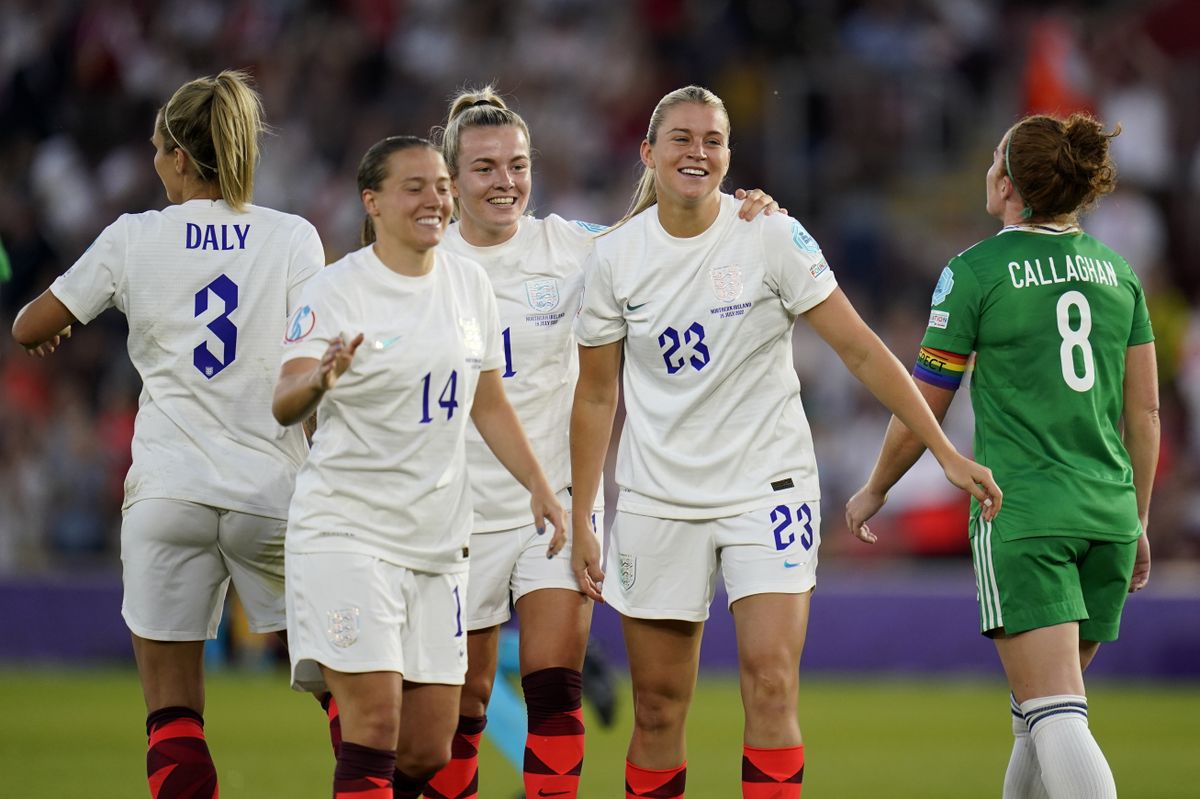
x: 664, y: 783
x: 554, y: 746
x: 335, y: 720
x: 178, y: 763
x: 363, y: 772
x: 459, y: 779
x: 772, y: 773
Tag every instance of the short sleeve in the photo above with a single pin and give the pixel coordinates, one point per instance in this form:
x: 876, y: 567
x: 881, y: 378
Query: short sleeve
x: 600, y: 320
x: 308, y: 258
x: 493, y: 353
x: 796, y: 269
x: 1141, y: 331
x: 313, y: 324
x: 954, y: 313
x: 94, y: 282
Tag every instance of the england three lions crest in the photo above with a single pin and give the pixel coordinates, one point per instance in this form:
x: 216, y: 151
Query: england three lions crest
x: 542, y: 294
x: 726, y: 282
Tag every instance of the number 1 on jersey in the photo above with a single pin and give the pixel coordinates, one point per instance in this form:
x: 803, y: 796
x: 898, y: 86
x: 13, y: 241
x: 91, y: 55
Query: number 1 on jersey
x: 509, y: 371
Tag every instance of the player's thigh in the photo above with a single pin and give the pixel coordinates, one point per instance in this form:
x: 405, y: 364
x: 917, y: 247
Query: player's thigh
x: 554, y: 623
x: 660, y: 568
x: 772, y: 550
x: 173, y: 574
x: 664, y: 659
x: 253, y: 550
x: 345, y: 612
x: 428, y: 719
x: 1105, y: 571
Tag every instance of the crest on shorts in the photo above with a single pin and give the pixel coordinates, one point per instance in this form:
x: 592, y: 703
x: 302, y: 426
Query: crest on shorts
x: 343, y: 627
x: 726, y: 282
x: 628, y: 565
x: 542, y: 294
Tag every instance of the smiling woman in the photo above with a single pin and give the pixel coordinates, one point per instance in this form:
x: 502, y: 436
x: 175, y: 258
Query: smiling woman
x: 715, y: 465
x: 378, y: 527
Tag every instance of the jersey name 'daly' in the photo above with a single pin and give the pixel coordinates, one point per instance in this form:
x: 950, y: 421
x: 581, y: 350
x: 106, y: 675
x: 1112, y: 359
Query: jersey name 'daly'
x: 1080, y: 269
x: 216, y: 237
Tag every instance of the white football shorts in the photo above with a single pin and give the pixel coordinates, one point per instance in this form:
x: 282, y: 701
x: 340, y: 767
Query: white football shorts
x: 667, y: 568
x: 508, y: 564
x: 177, y: 559
x: 356, y: 613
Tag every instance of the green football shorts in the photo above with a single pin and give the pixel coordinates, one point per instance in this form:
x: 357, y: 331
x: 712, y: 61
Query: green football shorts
x: 1038, y: 582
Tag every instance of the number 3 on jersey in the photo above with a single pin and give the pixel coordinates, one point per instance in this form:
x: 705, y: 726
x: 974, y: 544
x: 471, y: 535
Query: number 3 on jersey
x: 221, y: 327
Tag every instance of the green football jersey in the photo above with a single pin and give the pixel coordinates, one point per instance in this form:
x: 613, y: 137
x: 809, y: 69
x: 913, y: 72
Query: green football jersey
x: 1049, y: 313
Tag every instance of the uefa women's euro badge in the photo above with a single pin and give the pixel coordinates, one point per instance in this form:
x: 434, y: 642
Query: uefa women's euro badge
x: 542, y: 294
x: 343, y: 627
x: 944, y: 286
x: 726, y: 282
x: 628, y: 571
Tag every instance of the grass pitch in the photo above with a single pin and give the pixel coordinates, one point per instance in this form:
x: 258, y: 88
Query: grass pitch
x: 81, y: 733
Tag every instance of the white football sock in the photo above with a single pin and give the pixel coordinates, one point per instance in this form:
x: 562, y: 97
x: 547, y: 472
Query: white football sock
x: 1072, y: 765
x: 1023, y: 779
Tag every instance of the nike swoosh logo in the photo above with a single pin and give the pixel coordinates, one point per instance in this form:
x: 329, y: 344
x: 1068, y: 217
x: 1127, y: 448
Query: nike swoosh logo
x: 544, y: 792
x: 787, y: 564
x: 632, y: 308
x: 385, y: 343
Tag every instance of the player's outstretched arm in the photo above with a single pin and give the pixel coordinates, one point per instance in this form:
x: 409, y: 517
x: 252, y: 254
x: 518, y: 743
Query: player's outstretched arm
x: 869, y: 360
x: 592, y: 414
x: 303, y: 381
x: 1142, y: 431
x: 42, y: 325
x: 497, y: 422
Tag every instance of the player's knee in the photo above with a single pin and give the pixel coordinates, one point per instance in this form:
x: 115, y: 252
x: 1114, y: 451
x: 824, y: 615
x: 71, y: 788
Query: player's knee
x: 660, y: 708
x: 476, y: 693
x: 421, y: 760
x: 770, y: 687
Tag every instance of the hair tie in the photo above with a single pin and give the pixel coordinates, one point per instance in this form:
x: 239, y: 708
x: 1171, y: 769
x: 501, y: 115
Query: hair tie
x: 484, y: 101
x: 167, y: 124
x: 1027, y: 211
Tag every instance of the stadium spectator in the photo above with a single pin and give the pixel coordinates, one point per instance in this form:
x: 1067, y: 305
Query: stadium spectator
x: 206, y: 286
x: 535, y: 268
x: 715, y: 464
x: 379, y: 527
x: 1065, y: 360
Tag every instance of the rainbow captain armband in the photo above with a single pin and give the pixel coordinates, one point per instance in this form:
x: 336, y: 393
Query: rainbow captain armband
x: 940, y: 368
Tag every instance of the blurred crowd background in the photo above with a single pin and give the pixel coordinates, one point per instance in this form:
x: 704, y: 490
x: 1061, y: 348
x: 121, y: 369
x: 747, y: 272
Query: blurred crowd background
x: 873, y: 122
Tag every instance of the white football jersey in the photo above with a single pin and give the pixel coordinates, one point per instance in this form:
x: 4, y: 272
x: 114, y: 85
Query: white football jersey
x: 387, y: 475
x: 714, y: 423
x: 537, y: 278
x: 207, y: 292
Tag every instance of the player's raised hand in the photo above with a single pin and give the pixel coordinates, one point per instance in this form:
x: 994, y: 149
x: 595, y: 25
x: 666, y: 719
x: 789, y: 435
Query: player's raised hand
x: 861, y: 507
x: 585, y: 558
x: 976, y: 480
x: 335, y: 361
